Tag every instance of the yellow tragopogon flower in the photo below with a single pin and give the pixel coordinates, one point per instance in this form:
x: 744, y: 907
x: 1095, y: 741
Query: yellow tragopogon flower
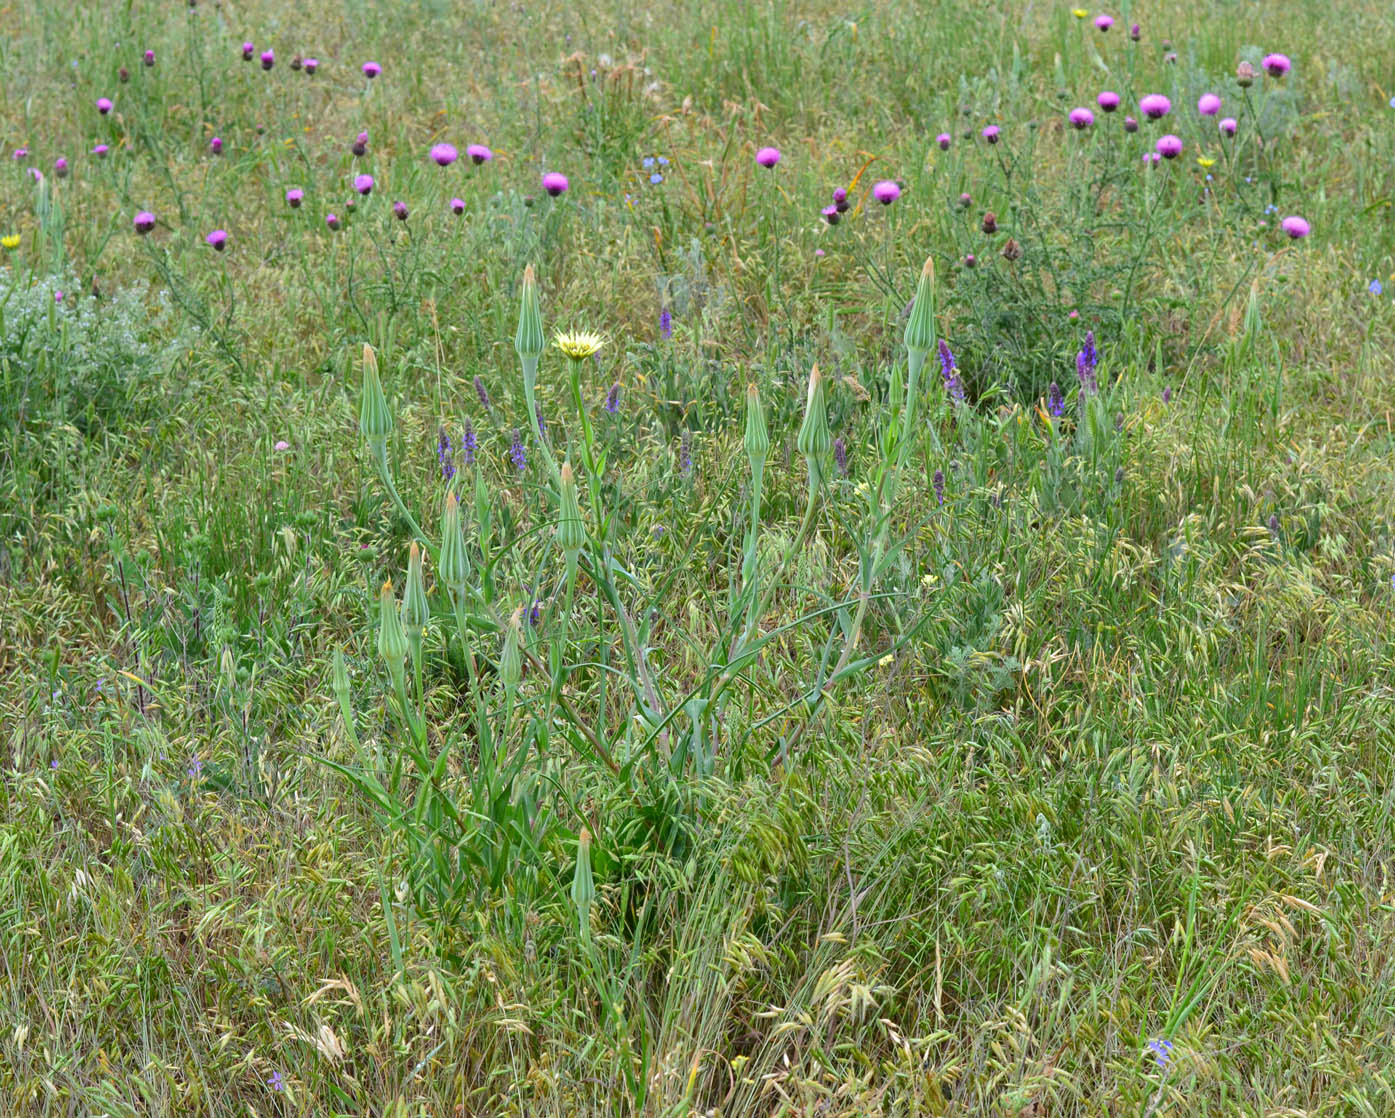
x: 1207, y: 163
x: 578, y: 345
x: 1079, y: 13
x: 11, y: 241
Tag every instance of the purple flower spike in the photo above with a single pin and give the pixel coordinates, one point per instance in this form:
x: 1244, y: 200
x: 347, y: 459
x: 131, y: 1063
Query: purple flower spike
x: 1208, y: 105
x: 1082, y: 118
x: 145, y: 221
x: 443, y: 155
x: 938, y: 481
x: 1155, y: 106
x: 1108, y: 100
x: 943, y: 140
x: 612, y: 399
x: 294, y: 197
x: 1295, y: 226
x: 555, y: 183
x: 1276, y: 65
x: 268, y: 59
x: 517, y: 454
x: 666, y: 323
x: 1055, y: 401
x: 104, y: 105
x: 457, y: 205
x: 217, y: 240
x: 768, y: 157
x: 478, y: 154
x: 363, y: 184
x: 371, y: 70
x: 1169, y: 146
x: 840, y: 456
x: 991, y: 133
x: 886, y: 192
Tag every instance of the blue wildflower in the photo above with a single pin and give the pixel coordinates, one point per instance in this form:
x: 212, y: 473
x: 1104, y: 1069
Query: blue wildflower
x: 468, y: 444
x: 656, y: 178
x: 938, y: 481
x: 1162, y: 1051
x: 648, y: 161
x: 275, y: 1082
x: 612, y: 398
x: 482, y: 394
x: 1375, y: 287
x: 1055, y: 401
x: 666, y: 323
x: 443, y: 453
x: 949, y: 369
x: 662, y: 161
x: 517, y: 454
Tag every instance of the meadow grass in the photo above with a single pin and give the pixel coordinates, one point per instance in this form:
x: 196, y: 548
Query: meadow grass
x: 1053, y: 774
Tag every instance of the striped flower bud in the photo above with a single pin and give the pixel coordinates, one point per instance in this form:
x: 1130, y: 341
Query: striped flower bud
x: 415, y: 610
x: 454, y: 564
x: 757, y: 436
x: 374, y: 417
x: 392, y: 640
x: 571, y: 532
x: 583, y: 884
x: 529, y: 341
x: 815, y: 439
x: 511, y: 659
x: 920, y: 330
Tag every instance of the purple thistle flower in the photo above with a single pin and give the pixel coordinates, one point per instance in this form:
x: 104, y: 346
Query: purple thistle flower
x: 768, y: 157
x: 516, y: 452
x: 311, y: 65
x: 1276, y: 65
x: 360, y: 144
x: 991, y: 133
x: 555, y: 183
x: 612, y: 399
x: 943, y: 139
x: 666, y: 323
x: 1155, y: 106
x: 443, y: 155
x: 217, y: 240
x: 20, y: 153
x: 443, y: 455
x: 840, y: 456
x: 483, y: 394
x: 1081, y: 117
x: 840, y: 200
x: 294, y: 197
x: 468, y: 444
x: 248, y: 50
x: 1108, y: 100
x: 1055, y: 401
x: 371, y: 70
x: 831, y: 214
x: 104, y: 105
x: 60, y: 167
x: 363, y: 184
x: 938, y: 481
x: 215, y: 145
x: 478, y: 154
x: 400, y: 210
x: 149, y: 58
x: 100, y: 151
x: 886, y: 192
x: 332, y: 220
x: 457, y: 206
x: 145, y: 221
x: 949, y: 370
x: 685, y: 454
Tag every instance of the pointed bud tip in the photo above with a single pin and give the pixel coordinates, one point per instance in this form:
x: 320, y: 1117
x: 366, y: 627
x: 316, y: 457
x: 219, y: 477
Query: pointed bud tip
x: 585, y: 837
x: 566, y: 473
x: 752, y: 392
x: 929, y: 270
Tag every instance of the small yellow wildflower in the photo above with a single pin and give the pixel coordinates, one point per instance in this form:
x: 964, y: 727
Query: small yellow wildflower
x: 1208, y: 163
x: 11, y: 241
x: 1079, y: 13
x: 578, y: 345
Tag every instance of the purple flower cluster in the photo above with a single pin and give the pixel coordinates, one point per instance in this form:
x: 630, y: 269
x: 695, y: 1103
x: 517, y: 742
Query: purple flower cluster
x: 949, y: 369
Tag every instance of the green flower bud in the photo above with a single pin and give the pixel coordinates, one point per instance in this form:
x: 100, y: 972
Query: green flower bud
x: 920, y: 330
x: 529, y: 341
x: 511, y: 659
x: 454, y: 564
x: 392, y: 640
x: 757, y: 436
x: 415, y: 610
x: 374, y: 417
x: 571, y: 532
x: 815, y: 439
x: 583, y: 884
x: 340, y: 677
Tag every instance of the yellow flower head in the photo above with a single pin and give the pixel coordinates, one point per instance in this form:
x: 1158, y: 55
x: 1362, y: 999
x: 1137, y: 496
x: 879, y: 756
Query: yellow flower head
x: 1079, y: 13
x: 1208, y: 163
x: 578, y: 345
x: 10, y: 242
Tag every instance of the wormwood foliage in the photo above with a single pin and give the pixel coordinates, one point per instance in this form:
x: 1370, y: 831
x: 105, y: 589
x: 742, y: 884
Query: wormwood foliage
x: 723, y: 638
